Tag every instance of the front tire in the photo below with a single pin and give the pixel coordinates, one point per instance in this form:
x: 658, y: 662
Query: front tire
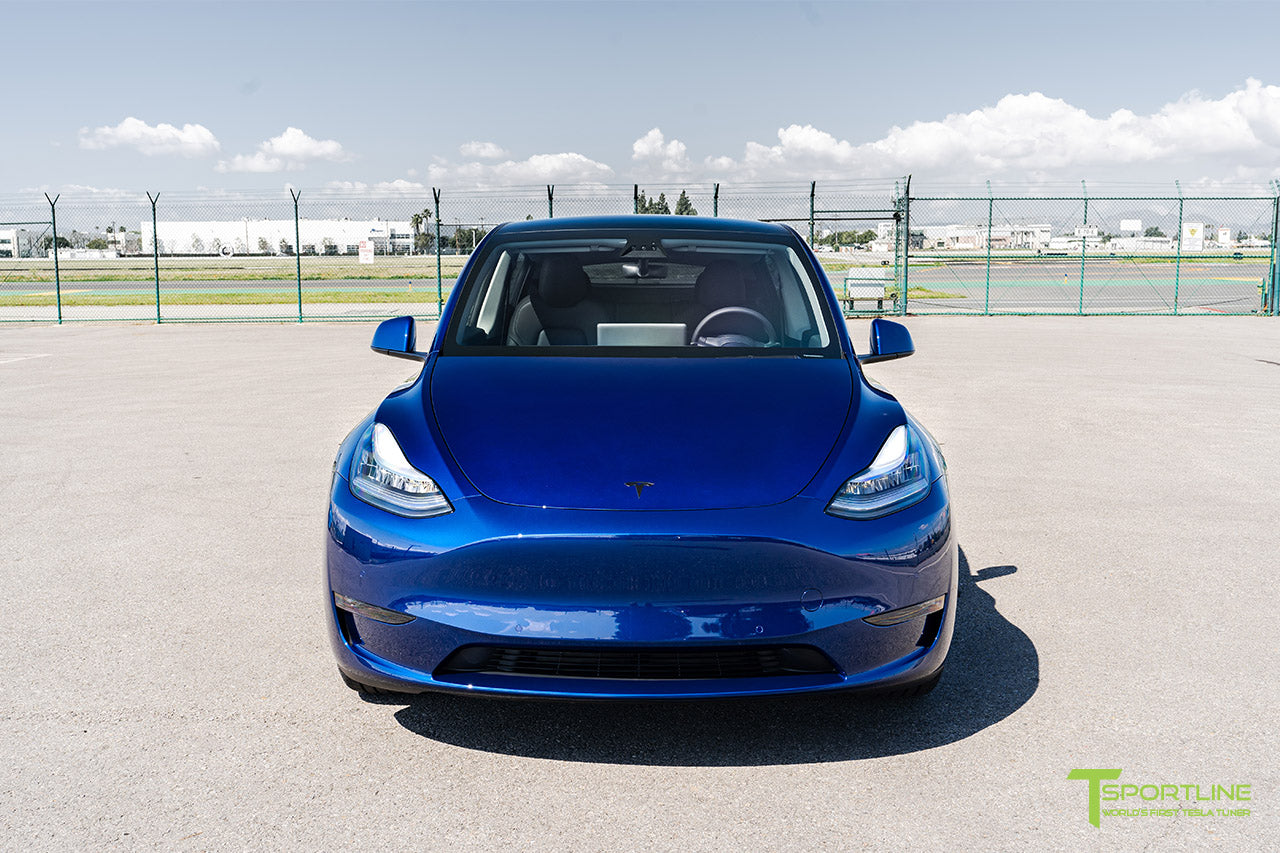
x: 368, y: 689
x: 917, y: 690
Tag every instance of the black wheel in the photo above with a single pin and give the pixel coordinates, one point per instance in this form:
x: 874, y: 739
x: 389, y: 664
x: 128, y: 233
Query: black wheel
x: 360, y: 687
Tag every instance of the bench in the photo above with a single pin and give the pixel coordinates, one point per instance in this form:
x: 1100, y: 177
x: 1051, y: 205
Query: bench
x: 865, y: 285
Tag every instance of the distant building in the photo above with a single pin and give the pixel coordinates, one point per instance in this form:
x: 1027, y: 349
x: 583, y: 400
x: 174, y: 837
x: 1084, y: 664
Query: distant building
x: 973, y: 238
x: 9, y: 243
x: 277, y: 237
x: 1138, y: 244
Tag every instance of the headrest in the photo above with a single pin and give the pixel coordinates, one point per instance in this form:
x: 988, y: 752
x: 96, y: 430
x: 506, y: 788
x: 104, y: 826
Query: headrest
x: 562, y: 283
x: 721, y: 284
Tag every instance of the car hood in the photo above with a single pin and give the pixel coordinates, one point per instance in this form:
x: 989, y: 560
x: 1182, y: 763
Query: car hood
x: 579, y: 433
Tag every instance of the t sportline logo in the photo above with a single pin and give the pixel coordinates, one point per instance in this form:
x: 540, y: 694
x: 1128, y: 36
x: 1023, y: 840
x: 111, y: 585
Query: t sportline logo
x: 1160, y: 800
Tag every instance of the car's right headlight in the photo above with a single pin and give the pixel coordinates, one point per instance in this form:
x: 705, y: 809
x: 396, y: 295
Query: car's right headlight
x: 897, y: 477
x: 383, y: 477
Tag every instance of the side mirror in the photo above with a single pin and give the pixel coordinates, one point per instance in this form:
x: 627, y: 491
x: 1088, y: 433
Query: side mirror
x: 889, y: 340
x: 396, y: 337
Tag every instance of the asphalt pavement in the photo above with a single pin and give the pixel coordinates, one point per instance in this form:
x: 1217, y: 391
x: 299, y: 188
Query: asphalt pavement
x: 168, y: 683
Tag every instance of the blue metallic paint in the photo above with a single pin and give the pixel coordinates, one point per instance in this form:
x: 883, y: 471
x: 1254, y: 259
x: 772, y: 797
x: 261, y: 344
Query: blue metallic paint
x: 494, y: 572
x: 889, y: 340
x: 579, y: 429
x: 397, y: 337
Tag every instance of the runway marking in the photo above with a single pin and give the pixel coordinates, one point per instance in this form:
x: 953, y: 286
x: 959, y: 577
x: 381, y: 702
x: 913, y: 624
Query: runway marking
x: 12, y: 358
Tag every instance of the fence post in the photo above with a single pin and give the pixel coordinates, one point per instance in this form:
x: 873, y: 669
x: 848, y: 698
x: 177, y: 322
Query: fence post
x: 435, y: 195
x: 813, y: 188
x: 635, y: 198
x: 897, y: 235
x: 57, y: 275
x: 1084, y: 245
x: 155, y: 249
x: 1273, y: 308
x: 715, y: 201
x: 906, y: 252
x: 297, y: 246
x: 1177, y: 264
x: 991, y: 204
x: 551, y: 201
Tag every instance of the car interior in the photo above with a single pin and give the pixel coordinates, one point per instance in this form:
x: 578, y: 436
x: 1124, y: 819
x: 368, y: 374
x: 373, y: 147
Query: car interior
x: 740, y: 295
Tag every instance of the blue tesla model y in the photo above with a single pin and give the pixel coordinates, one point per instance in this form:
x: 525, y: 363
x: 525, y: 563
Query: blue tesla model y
x: 641, y: 460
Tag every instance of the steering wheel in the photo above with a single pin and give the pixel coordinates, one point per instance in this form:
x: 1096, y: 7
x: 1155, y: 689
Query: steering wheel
x: 738, y: 340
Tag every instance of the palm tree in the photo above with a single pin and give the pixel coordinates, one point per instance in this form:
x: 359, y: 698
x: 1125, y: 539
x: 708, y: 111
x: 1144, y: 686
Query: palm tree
x: 416, y: 222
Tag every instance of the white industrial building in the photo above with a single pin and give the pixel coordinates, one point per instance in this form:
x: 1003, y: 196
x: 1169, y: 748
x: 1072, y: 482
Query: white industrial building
x: 276, y: 236
x: 960, y: 238
x: 8, y: 243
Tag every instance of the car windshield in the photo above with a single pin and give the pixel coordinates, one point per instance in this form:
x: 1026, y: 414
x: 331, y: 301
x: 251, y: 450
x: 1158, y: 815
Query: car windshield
x: 645, y: 292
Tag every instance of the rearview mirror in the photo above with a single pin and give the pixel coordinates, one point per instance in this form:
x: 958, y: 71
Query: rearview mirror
x: 396, y: 337
x: 889, y: 340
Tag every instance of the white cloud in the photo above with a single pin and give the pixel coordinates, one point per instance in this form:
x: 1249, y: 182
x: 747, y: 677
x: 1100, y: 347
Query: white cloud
x: 566, y: 167
x: 1035, y: 136
x: 652, y: 149
x: 290, y: 151
x: 399, y: 185
x: 83, y: 190
x: 483, y: 150
x: 190, y: 140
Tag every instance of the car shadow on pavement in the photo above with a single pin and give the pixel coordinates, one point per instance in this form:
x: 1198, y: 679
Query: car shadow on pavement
x: 992, y: 670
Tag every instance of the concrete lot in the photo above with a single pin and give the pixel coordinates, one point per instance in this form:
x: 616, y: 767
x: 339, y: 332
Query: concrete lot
x: 168, y: 682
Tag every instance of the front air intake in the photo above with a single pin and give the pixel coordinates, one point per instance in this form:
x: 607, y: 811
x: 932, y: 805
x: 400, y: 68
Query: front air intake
x: 639, y: 664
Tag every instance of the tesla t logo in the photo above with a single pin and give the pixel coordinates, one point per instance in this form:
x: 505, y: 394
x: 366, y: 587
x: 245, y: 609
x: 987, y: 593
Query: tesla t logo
x: 638, y: 485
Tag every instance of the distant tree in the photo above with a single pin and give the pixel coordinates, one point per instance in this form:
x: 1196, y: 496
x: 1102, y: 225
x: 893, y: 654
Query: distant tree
x: 423, y: 241
x: 197, y: 245
x: 1242, y: 235
x: 215, y: 246
x: 528, y: 216
x: 1153, y: 231
x: 96, y: 243
x: 330, y: 247
x: 652, y: 205
x: 286, y: 248
x: 264, y: 248
x: 684, y: 207
x: 847, y: 238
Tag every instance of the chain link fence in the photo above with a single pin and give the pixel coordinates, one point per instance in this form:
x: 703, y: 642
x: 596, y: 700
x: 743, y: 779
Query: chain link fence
x: 358, y: 254
x: 1101, y: 255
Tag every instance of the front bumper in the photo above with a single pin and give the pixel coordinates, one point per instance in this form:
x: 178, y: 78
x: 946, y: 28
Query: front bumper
x: 585, y: 582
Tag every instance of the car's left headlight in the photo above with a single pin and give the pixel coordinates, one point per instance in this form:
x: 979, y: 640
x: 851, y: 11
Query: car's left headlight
x: 898, y: 477
x: 383, y: 477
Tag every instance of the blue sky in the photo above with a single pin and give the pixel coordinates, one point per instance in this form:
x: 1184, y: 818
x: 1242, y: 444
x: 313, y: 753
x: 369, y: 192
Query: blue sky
x: 183, y: 95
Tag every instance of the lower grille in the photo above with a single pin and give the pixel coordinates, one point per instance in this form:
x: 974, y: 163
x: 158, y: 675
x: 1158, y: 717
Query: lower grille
x: 640, y: 663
